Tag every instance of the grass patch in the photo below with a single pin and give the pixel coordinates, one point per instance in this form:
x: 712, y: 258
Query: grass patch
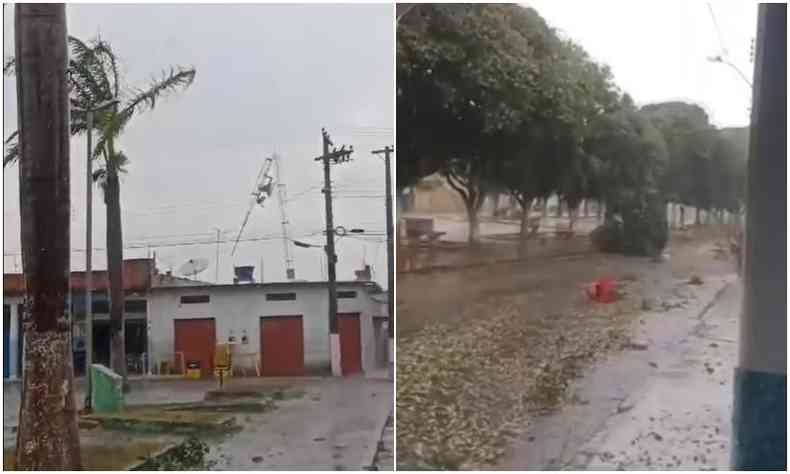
x: 158, y: 420
x: 103, y: 458
x: 295, y: 394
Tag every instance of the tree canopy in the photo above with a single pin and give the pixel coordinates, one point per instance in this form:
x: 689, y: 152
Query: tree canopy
x: 493, y: 98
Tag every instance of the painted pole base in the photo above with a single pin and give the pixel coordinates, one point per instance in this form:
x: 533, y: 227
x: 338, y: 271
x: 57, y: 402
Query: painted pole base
x: 334, y: 347
x: 107, y: 388
x: 759, y: 421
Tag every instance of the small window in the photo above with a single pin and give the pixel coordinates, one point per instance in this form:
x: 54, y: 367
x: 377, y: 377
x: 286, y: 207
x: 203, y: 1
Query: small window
x: 346, y: 294
x: 135, y: 306
x: 280, y: 296
x: 191, y: 299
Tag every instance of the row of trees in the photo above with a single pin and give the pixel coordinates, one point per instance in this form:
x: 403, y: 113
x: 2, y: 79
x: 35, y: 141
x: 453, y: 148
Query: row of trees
x: 496, y: 100
x: 94, y: 78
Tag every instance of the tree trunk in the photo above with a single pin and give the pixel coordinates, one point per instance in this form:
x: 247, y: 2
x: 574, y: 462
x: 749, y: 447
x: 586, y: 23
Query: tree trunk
x: 696, y: 216
x: 599, y: 206
x: 586, y: 211
x: 495, y: 198
x: 682, y: 216
x: 474, y: 224
x: 572, y: 213
x: 544, y: 209
x: 47, y: 436
x: 559, y: 207
x: 524, y: 234
x: 112, y: 199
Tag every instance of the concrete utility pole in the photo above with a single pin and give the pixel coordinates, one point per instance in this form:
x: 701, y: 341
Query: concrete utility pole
x: 216, y: 270
x: 48, y: 436
x: 390, y: 256
x: 760, y: 407
x: 89, y: 246
x: 336, y: 156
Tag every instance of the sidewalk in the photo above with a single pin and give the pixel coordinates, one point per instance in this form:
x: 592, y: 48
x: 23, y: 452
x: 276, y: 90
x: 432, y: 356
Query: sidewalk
x: 664, y: 403
x: 681, y: 418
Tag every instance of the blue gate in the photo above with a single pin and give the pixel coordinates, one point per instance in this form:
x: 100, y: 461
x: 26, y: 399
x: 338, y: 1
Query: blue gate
x: 6, y: 341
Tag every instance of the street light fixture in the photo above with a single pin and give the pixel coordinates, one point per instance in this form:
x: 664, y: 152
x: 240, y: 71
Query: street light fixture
x: 89, y: 247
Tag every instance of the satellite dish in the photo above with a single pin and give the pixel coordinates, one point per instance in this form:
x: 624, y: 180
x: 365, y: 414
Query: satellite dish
x: 193, y: 266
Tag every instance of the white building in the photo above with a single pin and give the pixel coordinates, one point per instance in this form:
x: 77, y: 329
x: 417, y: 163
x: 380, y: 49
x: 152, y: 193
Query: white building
x: 277, y: 329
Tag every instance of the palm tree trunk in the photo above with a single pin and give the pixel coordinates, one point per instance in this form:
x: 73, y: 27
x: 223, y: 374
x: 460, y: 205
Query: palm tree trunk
x: 112, y: 198
x: 47, y: 436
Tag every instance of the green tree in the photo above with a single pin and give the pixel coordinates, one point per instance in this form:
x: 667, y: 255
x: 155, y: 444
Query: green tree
x: 633, y: 157
x: 466, y: 76
x: 94, y: 77
x: 690, y: 138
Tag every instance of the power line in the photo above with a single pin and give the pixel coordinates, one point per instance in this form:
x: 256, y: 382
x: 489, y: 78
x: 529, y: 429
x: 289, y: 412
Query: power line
x: 718, y: 31
x: 180, y: 244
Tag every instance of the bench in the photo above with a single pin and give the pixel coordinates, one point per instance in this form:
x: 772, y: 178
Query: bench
x: 421, y: 229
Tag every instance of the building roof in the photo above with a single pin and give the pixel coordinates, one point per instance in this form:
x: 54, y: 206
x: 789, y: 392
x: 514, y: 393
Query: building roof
x: 136, y: 277
x: 370, y: 286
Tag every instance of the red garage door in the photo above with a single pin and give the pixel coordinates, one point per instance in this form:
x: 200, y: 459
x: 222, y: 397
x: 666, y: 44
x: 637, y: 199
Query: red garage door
x: 350, y: 343
x: 282, y: 346
x: 196, y: 338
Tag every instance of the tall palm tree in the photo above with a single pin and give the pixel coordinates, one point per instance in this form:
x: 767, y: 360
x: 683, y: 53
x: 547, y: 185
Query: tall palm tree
x: 94, y: 78
x: 48, y: 436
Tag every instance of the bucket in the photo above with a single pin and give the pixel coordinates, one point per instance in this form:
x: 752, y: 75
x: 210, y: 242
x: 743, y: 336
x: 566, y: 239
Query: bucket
x: 602, y: 291
x: 605, y: 290
x: 193, y: 369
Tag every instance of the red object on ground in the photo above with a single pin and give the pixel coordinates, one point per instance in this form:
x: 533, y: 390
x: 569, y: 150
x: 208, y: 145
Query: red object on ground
x: 602, y: 291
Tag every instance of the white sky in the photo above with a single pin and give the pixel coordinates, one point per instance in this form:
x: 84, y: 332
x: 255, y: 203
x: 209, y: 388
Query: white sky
x: 657, y: 49
x: 268, y: 78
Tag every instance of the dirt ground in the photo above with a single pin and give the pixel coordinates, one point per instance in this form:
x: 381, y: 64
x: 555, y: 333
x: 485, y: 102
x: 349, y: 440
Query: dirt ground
x: 484, y: 349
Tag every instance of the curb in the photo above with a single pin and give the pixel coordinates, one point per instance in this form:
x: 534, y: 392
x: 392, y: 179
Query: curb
x: 372, y: 465
x: 500, y: 261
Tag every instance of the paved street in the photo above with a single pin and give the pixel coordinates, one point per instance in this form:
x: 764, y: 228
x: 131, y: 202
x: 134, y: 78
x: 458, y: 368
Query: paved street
x: 337, y: 424
x: 330, y: 423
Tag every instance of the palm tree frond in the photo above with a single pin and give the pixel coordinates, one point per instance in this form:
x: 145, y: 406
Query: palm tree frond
x: 9, y: 66
x: 104, y: 51
x: 12, y: 149
x: 179, y: 78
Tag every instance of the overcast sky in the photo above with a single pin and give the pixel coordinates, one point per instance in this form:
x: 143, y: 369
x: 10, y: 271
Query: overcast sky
x: 268, y: 78
x: 658, y: 50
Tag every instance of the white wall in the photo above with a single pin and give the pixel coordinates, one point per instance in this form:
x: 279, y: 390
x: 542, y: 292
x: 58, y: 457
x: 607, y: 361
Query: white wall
x: 239, y: 308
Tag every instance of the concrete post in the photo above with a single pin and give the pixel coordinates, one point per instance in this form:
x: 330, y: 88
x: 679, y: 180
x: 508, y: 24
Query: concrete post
x: 760, y: 408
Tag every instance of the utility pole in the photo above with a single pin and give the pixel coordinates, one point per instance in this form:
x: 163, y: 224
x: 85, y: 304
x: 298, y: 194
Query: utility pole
x: 216, y: 270
x: 390, y: 256
x: 760, y: 406
x: 89, y: 247
x: 48, y: 436
x: 336, y: 156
